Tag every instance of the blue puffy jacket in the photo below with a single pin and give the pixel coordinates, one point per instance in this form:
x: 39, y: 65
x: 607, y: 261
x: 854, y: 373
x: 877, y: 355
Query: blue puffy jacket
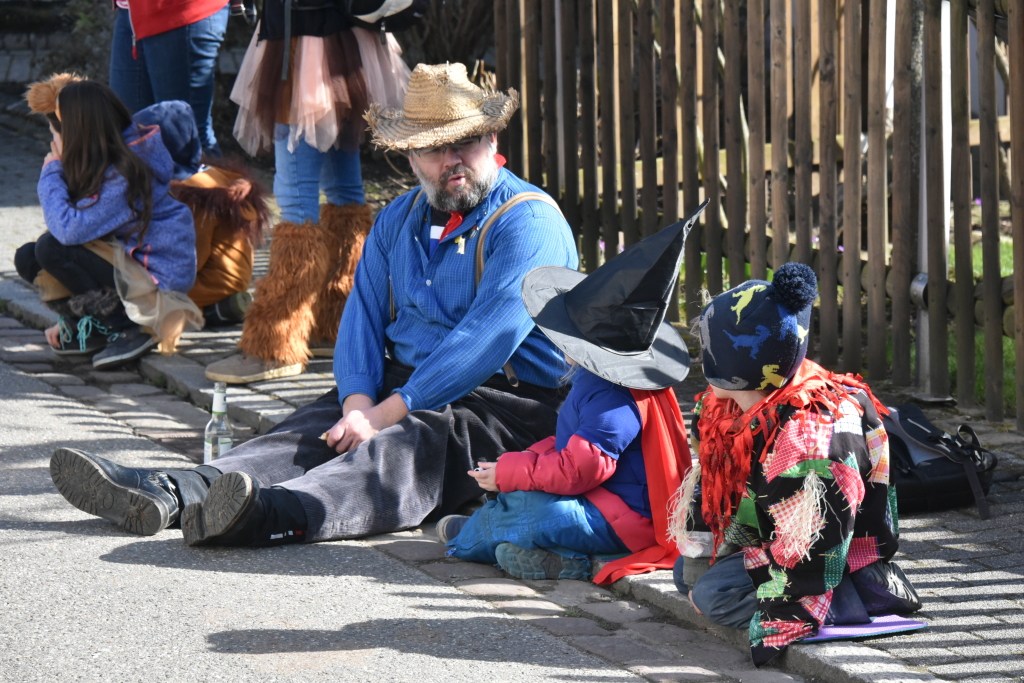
x: 168, y: 249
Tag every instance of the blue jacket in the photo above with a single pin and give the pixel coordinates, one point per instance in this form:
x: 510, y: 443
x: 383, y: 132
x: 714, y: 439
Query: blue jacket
x: 454, y: 334
x: 606, y: 415
x: 168, y: 250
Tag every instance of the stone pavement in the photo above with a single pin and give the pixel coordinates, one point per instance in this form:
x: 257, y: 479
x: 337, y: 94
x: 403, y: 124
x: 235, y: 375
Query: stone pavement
x: 84, y: 601
x: 970, y: 572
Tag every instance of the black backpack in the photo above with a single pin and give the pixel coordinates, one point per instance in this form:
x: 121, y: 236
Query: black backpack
x: 933, y: 470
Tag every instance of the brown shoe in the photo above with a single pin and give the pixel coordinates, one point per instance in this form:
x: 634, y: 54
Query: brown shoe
x: 243, y: 369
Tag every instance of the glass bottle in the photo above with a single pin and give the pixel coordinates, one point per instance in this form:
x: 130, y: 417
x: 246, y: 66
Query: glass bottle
x: 219, y: 436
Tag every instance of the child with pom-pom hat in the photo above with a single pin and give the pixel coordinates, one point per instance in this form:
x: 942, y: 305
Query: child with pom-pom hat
x: 790, y: 505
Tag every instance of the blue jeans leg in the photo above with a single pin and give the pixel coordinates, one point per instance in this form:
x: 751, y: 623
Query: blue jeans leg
x: 180, y: 64
x: 129, y: 78
x: 568, y: 525
x: 297, y: 178
x: 342, y: 177
x: 725, y: 594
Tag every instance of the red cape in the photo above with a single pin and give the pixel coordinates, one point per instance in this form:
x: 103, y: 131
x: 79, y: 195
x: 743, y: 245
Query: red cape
x: 667, y: 461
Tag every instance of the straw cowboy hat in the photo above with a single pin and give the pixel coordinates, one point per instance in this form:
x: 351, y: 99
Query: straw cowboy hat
x: 441, y: 106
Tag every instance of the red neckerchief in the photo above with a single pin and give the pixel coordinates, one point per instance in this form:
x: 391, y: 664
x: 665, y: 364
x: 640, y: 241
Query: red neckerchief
x: 727, y: 434
x: 667, y: 461
x: 455, y: 220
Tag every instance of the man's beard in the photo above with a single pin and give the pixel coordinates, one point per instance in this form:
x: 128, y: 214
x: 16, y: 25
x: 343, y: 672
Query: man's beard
x: 465, y: 197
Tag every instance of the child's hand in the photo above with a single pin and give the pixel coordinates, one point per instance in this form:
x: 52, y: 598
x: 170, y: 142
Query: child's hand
x: 58, y: 141
x: 486, y: 475
x: 53, y: 336
x: 54, y: 154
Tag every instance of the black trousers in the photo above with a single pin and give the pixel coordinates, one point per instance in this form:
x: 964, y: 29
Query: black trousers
x: 73, y: 266
x: 412, y: 472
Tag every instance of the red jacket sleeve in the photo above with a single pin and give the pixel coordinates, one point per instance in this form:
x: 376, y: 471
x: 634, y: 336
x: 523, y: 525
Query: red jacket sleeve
x: 577, y: 468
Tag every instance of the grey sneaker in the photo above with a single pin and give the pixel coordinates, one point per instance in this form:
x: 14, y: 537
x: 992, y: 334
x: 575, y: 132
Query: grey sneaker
x: 536, y: 564
x: 450, y: 526
x: 319, y: 348
x: 242, y: 369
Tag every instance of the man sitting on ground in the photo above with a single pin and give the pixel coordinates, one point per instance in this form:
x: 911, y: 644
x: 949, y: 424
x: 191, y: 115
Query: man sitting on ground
x: 434, y: 316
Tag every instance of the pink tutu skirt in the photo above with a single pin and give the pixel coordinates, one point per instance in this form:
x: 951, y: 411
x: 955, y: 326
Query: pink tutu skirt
x: 332, y: 82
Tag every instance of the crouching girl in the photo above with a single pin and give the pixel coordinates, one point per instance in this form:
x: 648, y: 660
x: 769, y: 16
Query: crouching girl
x: 114, y: 232
x: 601, y: 485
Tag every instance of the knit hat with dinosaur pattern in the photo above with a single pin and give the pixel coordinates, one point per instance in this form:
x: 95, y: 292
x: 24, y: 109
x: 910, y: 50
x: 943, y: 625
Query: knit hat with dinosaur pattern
x: 754, y: 336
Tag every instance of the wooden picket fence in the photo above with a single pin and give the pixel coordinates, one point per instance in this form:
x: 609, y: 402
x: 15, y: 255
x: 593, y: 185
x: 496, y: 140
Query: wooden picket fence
x: 611, y: 127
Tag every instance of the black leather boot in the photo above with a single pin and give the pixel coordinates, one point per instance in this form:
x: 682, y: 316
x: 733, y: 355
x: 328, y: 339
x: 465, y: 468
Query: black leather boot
x: 139, y: 501
x: 237, y: 512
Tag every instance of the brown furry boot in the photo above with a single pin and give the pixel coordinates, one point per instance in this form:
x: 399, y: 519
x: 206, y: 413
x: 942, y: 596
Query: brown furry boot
x: 349, y: 225
x: 279, y: 321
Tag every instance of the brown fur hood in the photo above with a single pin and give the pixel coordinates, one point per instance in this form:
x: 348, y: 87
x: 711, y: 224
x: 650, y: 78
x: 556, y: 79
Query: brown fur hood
x: 227, y: 191
x: 42, y: 95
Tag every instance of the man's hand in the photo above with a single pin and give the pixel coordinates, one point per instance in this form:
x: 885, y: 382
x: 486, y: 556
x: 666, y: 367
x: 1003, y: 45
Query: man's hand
x: 363, y: 420
x: 487, y: 475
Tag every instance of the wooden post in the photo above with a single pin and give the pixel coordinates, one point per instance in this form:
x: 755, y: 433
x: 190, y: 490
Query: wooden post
x: 627, y: 123
x: 532, y: 88
x: 756, y: 125
x: 501, y: 60
x: 960, y: 93
x: 1016, y: 35
x: 851, y: 189
x: 691, y: 177
x: 514, y: 69
x: 588, y: 133
x: 648, y: 116
x: 570, y: 105
x: 827, y: 172
x: 906, y: 181
x: 987, y: 153
x: 878, y: 205
x: 551, y: 113
x: 736, y: 197
x: 804, y: 157
x: 607, y: 25
x: 780, y: 136
x: 712, y: 191
x: 938, y: 342
x: 669, y: 131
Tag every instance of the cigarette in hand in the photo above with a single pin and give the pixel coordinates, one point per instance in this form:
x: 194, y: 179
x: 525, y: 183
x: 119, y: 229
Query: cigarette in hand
x: 323, y: 437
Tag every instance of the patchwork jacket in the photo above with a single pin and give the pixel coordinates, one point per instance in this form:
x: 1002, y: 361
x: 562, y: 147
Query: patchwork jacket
x: 817, y: 507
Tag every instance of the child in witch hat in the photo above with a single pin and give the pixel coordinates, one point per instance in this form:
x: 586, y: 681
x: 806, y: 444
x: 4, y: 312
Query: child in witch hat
x: 791, y: 502
x: 601, y: 485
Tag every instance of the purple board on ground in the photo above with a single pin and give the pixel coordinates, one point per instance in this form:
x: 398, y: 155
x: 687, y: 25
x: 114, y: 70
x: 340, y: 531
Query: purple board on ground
x: 879, y: 626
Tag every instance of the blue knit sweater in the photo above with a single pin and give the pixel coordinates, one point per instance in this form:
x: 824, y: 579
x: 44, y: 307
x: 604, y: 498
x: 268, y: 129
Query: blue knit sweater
x: 168, y: 249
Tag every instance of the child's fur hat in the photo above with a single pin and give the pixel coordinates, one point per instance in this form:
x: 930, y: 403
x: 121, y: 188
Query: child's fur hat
x: 42, y: 95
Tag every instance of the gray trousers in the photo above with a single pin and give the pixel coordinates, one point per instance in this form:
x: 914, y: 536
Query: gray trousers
x: 412, y: 472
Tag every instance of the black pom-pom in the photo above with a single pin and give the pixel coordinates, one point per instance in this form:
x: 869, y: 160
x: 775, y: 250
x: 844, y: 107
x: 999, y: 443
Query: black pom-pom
x: 795, y: 286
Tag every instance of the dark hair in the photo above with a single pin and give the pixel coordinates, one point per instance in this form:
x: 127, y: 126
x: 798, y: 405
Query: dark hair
x: 92, y: 122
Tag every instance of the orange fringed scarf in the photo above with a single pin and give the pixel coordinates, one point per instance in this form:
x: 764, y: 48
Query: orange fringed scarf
x: 667, y: 461
x: 727, y: 434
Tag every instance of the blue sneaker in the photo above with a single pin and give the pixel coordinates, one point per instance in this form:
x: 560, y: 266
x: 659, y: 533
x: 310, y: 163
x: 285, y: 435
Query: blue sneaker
x: 449, y: 527
x: 85, y: 337
x: 536, y: 564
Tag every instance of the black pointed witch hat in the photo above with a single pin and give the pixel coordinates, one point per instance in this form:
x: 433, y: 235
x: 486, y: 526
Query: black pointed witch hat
x: 612, y: 322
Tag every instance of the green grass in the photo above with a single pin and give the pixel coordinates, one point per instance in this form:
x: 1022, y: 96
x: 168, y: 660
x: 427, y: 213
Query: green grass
x: 1009, y: 370
x: 1005, y: 260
